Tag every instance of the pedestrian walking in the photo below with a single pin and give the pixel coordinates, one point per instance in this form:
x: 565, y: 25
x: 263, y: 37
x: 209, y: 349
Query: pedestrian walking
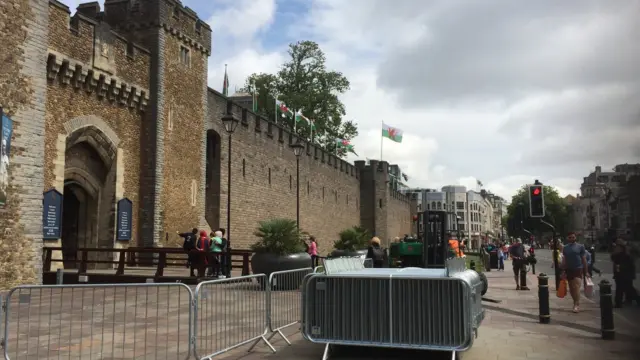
x: 313, y: 250
x: 500, y: 259
x: 376, y: 253
x: 575, y: 268
x: 624, y: 272
x: 519, y: 264
x: 591, y: 259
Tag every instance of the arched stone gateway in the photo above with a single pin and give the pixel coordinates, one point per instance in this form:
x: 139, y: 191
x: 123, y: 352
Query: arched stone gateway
x: 89, y: 189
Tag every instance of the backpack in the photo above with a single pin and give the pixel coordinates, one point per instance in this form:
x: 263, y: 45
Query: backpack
x: 378, y: 254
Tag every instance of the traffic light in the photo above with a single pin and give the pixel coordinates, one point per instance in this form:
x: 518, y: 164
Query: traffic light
x: 536, y: 201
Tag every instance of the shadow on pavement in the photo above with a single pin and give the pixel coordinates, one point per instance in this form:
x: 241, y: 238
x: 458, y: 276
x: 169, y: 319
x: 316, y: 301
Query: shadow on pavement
x: 360, y: 352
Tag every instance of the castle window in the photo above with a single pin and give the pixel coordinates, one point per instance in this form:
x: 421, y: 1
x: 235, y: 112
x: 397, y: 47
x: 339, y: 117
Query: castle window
x: 185, y: 56
x: 176, y: 12
x: 194, y: 192
x: 170, y: 118
x: 130, y: 49
x: 198, y: 27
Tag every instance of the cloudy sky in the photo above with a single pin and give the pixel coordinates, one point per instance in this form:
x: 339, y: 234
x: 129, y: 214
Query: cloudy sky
x: 503, y: 91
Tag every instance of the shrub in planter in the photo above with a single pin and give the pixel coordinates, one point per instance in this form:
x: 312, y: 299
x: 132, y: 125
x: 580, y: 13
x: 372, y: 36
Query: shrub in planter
x: 280, y: 247
x: 353, y: 242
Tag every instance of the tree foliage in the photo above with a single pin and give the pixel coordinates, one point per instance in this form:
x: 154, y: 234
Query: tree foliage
x: 278, y: 236
x: 304, y: 83
x: 556, y: 213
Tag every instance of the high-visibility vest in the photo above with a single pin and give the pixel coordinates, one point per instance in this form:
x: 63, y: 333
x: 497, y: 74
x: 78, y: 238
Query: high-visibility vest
x: 454, y: 245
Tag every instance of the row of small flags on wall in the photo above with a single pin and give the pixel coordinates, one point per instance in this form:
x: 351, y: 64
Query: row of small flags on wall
x: 392, y: 133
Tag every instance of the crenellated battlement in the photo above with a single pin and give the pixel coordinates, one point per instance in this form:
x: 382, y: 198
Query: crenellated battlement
x: 270, y: 131
x: 135, y: 16
x: 85, y: 40
x: 75, y: 74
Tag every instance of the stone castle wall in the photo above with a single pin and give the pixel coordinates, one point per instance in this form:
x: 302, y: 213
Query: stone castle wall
x: 263, y: 180
x: 110, y: 100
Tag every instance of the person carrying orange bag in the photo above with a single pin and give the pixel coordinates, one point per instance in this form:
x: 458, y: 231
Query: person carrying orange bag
x: 561, y: 291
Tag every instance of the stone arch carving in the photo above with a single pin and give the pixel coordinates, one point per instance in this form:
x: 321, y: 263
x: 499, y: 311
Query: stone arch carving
x: 84, y: 179
x: 96, y: 132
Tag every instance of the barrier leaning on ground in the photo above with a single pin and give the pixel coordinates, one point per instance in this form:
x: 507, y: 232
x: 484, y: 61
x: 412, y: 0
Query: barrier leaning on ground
x: 149, y: 321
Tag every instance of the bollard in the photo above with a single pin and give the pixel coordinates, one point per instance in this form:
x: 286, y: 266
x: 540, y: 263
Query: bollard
x: 606, y: 311
x: 543, y: 298
x: 59, y: 276
x: 472, y: 265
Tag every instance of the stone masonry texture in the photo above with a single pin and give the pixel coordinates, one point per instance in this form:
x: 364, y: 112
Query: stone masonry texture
x: 129, y: 84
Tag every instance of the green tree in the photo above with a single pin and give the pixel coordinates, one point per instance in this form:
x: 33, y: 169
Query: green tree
x: 556, y: 213
x: 304, y: 83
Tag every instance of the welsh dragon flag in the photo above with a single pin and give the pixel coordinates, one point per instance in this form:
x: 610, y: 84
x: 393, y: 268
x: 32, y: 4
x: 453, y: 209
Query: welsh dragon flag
x: 345, y: 144
x: 299, y: 117
x: 282, y: 107
x: 392, y: 133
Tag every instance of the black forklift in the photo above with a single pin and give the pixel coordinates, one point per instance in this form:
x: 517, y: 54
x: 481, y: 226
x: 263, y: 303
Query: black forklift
x: 431, y: 247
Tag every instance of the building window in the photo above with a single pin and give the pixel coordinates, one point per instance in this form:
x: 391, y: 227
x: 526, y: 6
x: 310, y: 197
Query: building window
x: 194, y: 192
x: 185, y: 56
x: 433, y: 205
x: 461, y: 215
x: 439, y: 205
x: 460, y: 205
x: 198, y: 27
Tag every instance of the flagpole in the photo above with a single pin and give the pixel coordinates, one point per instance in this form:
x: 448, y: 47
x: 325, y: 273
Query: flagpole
x: 381, y: 137
x: 275, y: 118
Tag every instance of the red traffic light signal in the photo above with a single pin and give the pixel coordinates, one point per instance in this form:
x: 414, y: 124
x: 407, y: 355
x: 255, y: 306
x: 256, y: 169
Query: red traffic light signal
x: 536, y: 201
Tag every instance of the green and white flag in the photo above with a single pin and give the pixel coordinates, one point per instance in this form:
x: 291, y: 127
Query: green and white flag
x: 345, y: 144
x: 392, y: 133
x: 299, y: 117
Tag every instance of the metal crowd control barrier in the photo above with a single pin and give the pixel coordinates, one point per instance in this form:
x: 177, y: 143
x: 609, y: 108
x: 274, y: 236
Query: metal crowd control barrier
x: 455, y: 265
x: 415, y: 308
x: 332, y: 266
x: 123, y: 321
x: 285, y: 300
x: 230, y: 313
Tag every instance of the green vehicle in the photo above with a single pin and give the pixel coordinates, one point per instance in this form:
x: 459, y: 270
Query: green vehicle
x: 430, y: 249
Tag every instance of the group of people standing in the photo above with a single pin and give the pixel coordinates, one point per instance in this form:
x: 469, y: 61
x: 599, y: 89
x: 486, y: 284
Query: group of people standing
x: 207, y: 255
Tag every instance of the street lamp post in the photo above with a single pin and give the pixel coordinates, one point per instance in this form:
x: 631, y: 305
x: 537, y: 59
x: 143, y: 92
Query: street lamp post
x: 297, y: 148
x: 230, y: 124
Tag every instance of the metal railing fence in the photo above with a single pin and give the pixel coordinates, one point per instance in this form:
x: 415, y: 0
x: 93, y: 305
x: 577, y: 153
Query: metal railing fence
x: 132, y: 321
x: 285, y: 300
x: 152, y: 320
x: 230, y: 313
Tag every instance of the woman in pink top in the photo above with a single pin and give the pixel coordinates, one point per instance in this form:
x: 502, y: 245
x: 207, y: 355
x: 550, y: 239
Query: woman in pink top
x: 313, y: 250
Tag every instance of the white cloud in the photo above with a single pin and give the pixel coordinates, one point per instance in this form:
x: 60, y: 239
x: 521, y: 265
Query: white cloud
x: 242, y: 19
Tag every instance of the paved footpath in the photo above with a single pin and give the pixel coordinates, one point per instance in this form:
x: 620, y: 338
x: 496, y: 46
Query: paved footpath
x: 510, y: 331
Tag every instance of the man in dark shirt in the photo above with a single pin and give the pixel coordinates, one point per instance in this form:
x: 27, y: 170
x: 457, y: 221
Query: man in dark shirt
x: 189, y: 245
x: 516, y: 251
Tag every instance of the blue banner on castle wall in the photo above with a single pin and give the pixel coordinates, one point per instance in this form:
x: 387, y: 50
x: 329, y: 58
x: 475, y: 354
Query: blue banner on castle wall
x: 52, y: 215
x: 6, y: 129
x: 125, y: 207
